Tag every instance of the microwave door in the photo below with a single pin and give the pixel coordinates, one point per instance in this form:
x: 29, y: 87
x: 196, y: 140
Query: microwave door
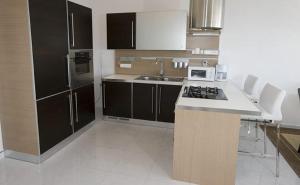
x: 198, y: 74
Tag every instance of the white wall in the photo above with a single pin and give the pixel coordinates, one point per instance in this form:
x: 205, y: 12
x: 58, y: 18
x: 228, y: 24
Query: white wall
x: 259, y: 37
x: 262, y: 37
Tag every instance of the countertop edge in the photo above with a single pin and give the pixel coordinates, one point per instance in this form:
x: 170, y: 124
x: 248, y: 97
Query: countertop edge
x: 107, y: 79
x: 229, y: 111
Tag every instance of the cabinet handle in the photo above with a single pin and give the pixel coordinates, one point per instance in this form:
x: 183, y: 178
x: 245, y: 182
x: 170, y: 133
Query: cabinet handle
x: 76, y: 107
x: 69, y: 71
x: 132, y: 45
x: 71, y: 109
x: 104, y: 100
x: 206, y: 13
x: 73, y: 32
x: 152, y: 100
x: 159, y: 100
x: 191, y: 14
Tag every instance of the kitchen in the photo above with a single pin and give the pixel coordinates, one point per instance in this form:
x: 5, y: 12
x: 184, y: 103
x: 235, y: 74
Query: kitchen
x: 142, y: 62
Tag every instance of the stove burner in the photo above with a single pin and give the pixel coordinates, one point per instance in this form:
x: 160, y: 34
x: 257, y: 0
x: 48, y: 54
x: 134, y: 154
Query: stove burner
x: 204, y: 93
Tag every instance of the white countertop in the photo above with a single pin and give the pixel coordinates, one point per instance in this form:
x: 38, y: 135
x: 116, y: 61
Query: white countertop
x: 237, y: 102
x: 132, y: 78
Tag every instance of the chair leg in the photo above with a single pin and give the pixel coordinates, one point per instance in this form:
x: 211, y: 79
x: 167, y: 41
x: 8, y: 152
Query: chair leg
x: 256, y: 131
x: 277, y: 149
x: 265, y: 137
x: 249, y: 128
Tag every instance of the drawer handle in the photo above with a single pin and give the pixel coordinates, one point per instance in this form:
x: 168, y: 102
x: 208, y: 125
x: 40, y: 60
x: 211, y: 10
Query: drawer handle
x: 152, y: 100
x: 76, y: 107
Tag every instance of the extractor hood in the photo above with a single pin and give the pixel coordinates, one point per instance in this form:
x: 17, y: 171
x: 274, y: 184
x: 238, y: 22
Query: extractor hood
x: 206, y: 15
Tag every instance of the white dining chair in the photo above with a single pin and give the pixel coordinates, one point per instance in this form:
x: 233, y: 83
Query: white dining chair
x: 249, y: 89
x: 250, y: 85
x: 269, y: 104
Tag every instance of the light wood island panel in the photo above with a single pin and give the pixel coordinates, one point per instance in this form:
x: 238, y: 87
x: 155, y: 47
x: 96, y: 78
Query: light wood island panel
x: 205, y: 147
x: 17, y: 99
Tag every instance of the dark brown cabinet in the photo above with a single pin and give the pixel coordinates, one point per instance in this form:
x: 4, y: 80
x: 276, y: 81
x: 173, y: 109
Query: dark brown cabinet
x: 116, y: 99
x: 80, y: 26
x: 54, y: 120
x: 83, y: 106
x: 140, y: 101
x: 49, y: 33
x: 166, y: 100
x: 121, y: 31
x: 144, y: 101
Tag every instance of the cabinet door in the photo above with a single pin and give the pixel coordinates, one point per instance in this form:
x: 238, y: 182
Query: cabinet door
x: 167, y: 96
x: 80, y: 26
x: 117, y: 99
x: 144, y: 101
x: 83, y: 106
x: 121, y: 30
x: 156, y: 30
x: 54, y: 120
x: 49, y: 32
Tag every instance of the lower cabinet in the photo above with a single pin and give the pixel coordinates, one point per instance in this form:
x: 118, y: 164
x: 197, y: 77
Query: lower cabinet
x: 166, y: 100
x: 83, y: 106
x: 144, y: 101
x: 117, y: 99
x: 149, y: 101
x: 54, y: 120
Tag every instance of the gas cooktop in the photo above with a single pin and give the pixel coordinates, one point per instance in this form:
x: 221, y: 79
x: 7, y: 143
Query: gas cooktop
x: 213, y: 93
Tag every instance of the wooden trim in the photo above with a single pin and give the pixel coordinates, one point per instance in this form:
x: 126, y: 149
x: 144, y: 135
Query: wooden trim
x: 17, y: 99
x: 205, y: 147
x: 149, y: 67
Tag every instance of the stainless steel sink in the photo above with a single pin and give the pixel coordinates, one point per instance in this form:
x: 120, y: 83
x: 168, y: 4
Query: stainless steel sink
x: 158, y: 78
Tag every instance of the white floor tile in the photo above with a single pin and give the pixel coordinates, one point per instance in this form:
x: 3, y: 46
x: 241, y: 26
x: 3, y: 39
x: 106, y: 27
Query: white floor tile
x: 123, y: 154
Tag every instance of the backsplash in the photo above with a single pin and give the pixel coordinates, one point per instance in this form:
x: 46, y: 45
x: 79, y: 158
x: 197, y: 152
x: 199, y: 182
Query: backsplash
x: 145, y: 63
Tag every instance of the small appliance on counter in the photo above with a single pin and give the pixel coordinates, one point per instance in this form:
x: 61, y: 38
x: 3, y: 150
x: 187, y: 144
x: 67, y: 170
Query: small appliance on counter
x: 221, y: 72
x: 201, y: 73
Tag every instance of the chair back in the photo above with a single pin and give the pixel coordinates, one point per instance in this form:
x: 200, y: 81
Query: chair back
x: 271, y: 100
x: 250, y: 84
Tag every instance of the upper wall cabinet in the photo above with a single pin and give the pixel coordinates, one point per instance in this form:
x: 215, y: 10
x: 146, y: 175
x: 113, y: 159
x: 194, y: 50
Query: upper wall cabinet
x: 80, y: 26
x: 161, y: 30
x: 121, y: 29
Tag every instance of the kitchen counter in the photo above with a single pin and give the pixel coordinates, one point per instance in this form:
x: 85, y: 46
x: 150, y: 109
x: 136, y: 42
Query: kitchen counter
x: 206, y: 135
x: 237, y: 102
x: 132, y: 79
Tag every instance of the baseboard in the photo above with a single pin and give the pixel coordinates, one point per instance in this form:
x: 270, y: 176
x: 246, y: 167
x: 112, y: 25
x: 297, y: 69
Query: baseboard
x: 36, y: 159
x: 139, y: 122
x: 1, y: 154
x: 290, y: 125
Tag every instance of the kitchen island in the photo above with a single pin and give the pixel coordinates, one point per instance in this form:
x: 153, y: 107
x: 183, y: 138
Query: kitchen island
x: 206, y: 135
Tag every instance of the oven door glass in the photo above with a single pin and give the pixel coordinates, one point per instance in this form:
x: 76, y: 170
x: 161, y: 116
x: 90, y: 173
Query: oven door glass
x: 82, y: 63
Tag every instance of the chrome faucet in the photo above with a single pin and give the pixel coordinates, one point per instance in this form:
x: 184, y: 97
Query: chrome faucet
x: 162, y: 71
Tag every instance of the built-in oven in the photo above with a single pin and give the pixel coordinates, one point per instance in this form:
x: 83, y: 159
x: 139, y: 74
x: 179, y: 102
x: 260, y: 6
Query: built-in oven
x: 81, y: 70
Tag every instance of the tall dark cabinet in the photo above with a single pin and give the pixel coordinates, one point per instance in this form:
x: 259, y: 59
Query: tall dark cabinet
x: 121, y: 30
x: 83, y: 106
x: 49, y: 33
x: 54, y: 120
x: 37, y: 108
x: 80, y: 26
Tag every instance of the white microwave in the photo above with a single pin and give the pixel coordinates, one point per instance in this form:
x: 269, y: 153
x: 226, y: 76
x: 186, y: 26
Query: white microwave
x: 201, y: 73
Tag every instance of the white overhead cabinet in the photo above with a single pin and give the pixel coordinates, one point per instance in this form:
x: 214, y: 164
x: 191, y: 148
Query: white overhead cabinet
x: 161, y: 30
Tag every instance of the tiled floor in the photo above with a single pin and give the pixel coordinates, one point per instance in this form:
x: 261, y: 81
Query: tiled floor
x: 123, y: 154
